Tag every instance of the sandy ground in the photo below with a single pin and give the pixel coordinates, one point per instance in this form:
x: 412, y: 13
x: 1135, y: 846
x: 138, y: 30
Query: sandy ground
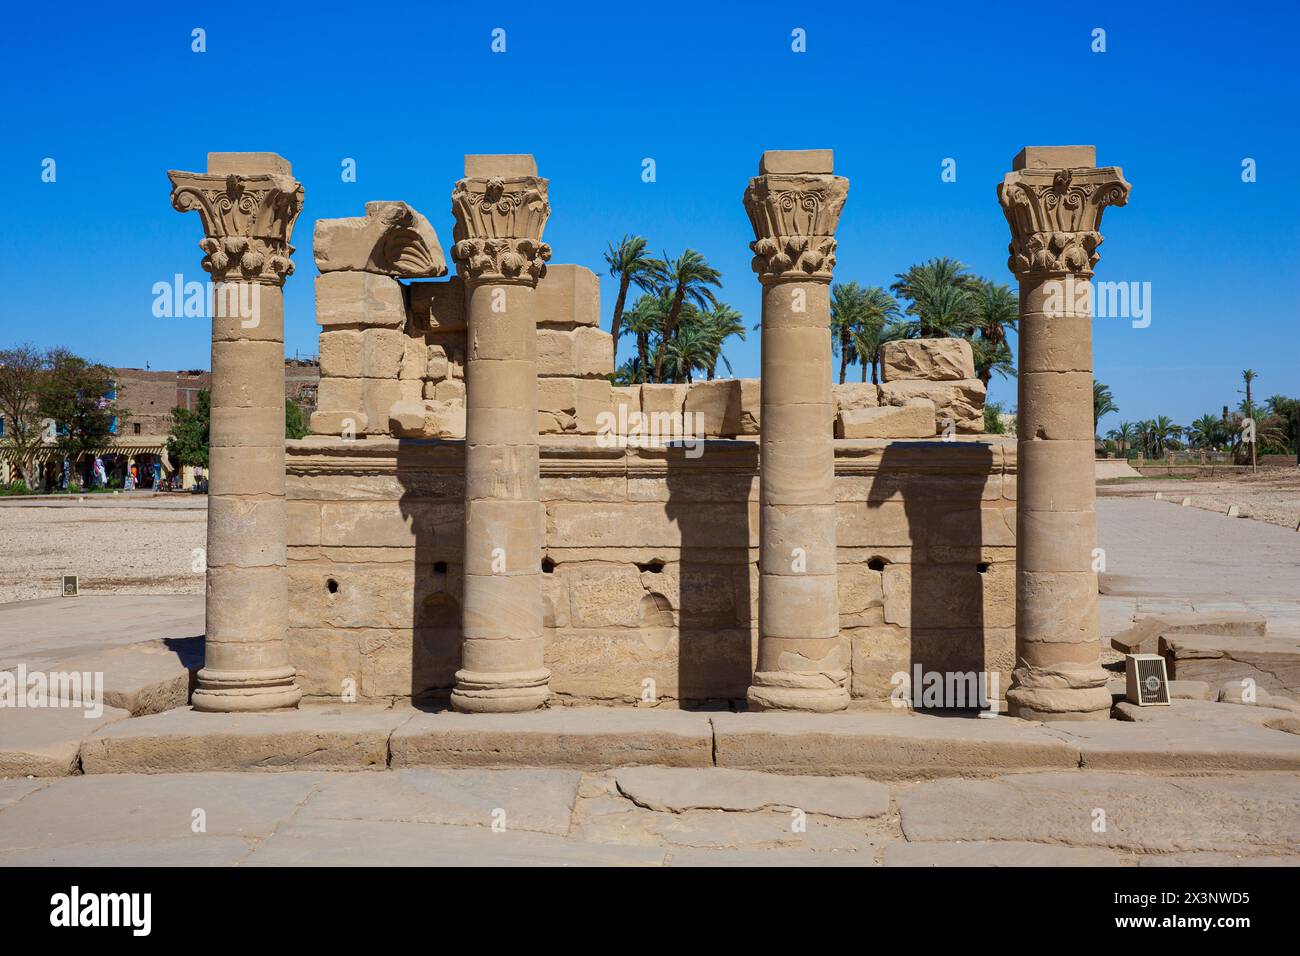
x: 1272, y: 495
x: 144, y: 546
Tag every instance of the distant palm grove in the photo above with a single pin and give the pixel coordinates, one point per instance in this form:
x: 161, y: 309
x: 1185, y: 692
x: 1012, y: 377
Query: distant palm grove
x: 680, y: 327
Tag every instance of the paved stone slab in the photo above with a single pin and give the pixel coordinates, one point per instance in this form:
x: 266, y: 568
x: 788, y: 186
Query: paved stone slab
x: 80, y: 811
x: 677, y: 789
x: 1272, y: 662
x: 1001, y: 853
x: 146, y: 678
x: 582, y: 738
x: 1144, y: 636
x: 373, y: 843
x: 693, y: 857
x: 339, y: 738
x: 44, y: 741
x: 1218, y: 859
x: 42, y: 632
x: 887, y: 746
x: 1188, y: 737
x: 199, y: 850
x: 707, y: 829
x: 11, y: 791
x: 540, y: 800
x: 1248, y: 813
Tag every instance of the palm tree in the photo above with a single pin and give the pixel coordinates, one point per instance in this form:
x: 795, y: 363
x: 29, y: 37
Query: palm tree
x: 991, y: 357
x: 1248, y: 376
x: 881, y: 322
x: 645, y: 320
x: 1103, y: 403
x: 1206, y: 431
x: 630, y: 264
x: 688, y: 350
x: 994, y: 308
x: 1162, y: 430
x: 688, y: 277
x: 940, y: 295
x: 848, y: 305
x: 720, y: 323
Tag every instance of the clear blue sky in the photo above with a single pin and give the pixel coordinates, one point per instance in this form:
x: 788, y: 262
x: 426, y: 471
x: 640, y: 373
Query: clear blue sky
x: 1182, y: 94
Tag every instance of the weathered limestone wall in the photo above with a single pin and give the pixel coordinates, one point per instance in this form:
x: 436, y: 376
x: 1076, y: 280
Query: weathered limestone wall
x: 650, y: 567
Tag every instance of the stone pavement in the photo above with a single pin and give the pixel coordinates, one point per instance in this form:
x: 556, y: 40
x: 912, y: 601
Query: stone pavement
x: 647, y: 817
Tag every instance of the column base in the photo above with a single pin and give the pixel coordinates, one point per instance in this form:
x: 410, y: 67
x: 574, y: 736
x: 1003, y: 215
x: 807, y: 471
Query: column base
x: 784, y: 690
x: 1059, y: 692
x: 505, y: 693
x: 246, y: 691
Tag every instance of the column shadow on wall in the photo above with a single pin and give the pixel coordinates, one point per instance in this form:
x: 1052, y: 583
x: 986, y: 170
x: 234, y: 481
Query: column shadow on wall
x: 422, y: 657
x: 947, y: 573
x: 708, y: 500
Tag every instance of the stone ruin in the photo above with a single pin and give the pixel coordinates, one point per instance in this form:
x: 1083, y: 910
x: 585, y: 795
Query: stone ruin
x: 480, y: 515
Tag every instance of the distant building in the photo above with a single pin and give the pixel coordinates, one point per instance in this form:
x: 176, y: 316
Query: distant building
x: 139, y: 443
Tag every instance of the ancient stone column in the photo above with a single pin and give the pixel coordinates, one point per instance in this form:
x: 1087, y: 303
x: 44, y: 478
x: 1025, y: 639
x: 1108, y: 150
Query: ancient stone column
x: 501, y: 210
x: 794, y: 206
x: 248, y: 203
x: 1053, y: 200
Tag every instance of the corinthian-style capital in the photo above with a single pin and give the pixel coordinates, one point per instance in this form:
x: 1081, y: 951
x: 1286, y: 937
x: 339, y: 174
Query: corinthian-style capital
x: 1055, y: 216
x: 247, y: 221
x: 499, y: 223
x: 794, y: 210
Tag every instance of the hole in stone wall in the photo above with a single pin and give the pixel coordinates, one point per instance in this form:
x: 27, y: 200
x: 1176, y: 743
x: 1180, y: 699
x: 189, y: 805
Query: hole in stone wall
x: 876, y: 564
x: 982, y: 567
x: 654, y: 566
x: 440, y: 567
x: 332, y: 586
x: 548, y: 565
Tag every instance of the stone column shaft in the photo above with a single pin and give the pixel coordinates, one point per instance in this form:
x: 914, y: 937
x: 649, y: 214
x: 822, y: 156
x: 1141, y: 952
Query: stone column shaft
x: 794, y: 206
x: 248, y: 204
x: 1053, y: 201
x: 500, y: 212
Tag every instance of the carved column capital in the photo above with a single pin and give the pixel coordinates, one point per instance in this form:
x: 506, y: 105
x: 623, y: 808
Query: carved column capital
x: 498, y: 232
x: 1055, y: 217
x: 247, y: 222
x: 794, y: 218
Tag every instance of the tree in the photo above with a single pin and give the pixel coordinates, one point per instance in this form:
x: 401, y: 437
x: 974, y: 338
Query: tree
x: 628, y: 262
x: 1124, y: 435
x: 295, y: 422
x: 187, y: 444
x: 20, y: 375
x: 848, y: 312
x: 994, y: 308
x: 1206, y: 432
x: 1161, y: 430
x: 688, y: 278
x: 993, y: 424
x: 940, y: 296
x: 1249, y: 376
x: 645, y: 321
x: 880, y: 323
x: 719, y: 324
x: 1103, y: 403
x: 74, y: 393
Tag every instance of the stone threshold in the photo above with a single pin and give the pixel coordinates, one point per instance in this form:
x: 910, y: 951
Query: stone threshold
x: 882, y: 746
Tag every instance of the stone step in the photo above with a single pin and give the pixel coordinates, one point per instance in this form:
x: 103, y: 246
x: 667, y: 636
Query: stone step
x: 45, y: 741
x: 887, y: 746
x: 586, y: 738
x: 345, y: 737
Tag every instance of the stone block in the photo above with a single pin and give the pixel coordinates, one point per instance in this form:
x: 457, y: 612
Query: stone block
x: 340, y: 353
x: 359, y: 299
x: 1144, y: 636
x: 44, y: 741
x: 438, y: 306
x: 378, y: 396
x: 1055, y: 157
x: 437, y: 366
x: 1273, y: 663
x: 567, y: 297
x: 855, y: 395
x: 957, y: 404
x: 582, y: 352
x: 499, y: 165
x: 571, y: 405
x: 663, y: 399
x: 248, y: 164
x: 730, y: 406
x: 681, y: 789
x: 795, y: 161
x: 351, y: 423
x: 392, y: 239
x: 913, y: 420
x: 931, y: 360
